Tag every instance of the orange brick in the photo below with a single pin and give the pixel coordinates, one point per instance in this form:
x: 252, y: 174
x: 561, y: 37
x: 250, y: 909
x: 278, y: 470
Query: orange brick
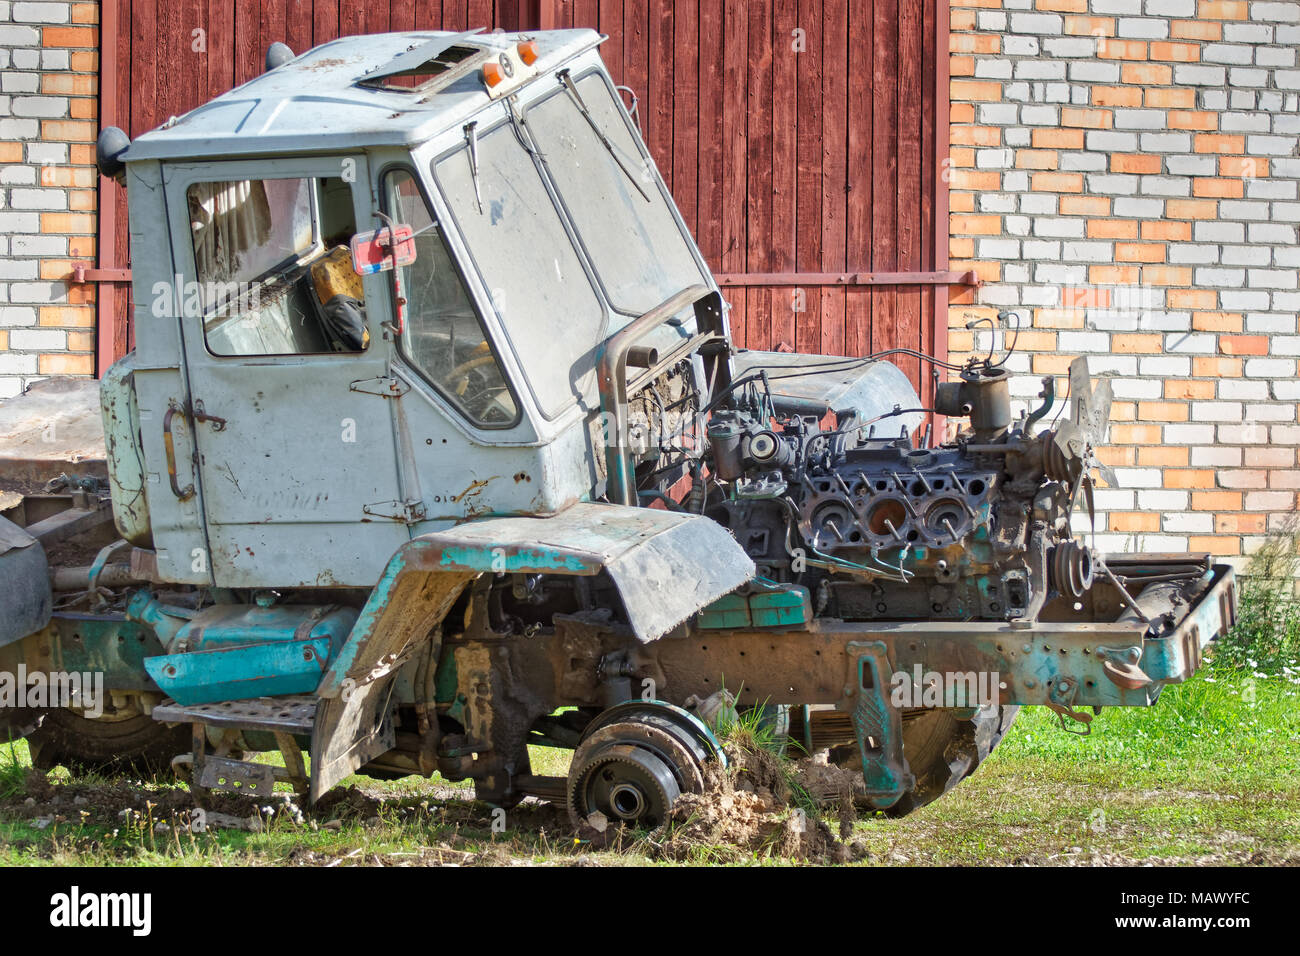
x: 81, y: 247
x: 1085, y: 206
x: 68, y: 130
x: 1116, y: 96
x: 85, y: 13
x: 974, y: 43
x: 1057, y: 139
x: 1219, y: 143
x: 66, y: 222
x: 961, y: 113
x: 68, y: 84
x: 1161, y: 276
x: 1240, y: 524
x: 1214, y: 544
x: 1216, y: 321
x: 1146, y: 74
x: 1139, y: 252
x: 1218, y: 188
x: 1136, y: 434
x: 1192, y: 299
x: 1195, y: 30
x: 978, y: 180
x: 961, y: 202
x: 82, y: 200
x: 1056, y: 182
x: 1083, y: 297
x: 66, y: 364
x: 1178, y: 478
x: 1188, y: 390
x: 1118, y: 456
x: 980, y: 91
x: 1178, y: 52
x: 1247, y: 167
x: 4, y: 339
x: 1163, y: 456
x: 13, y: 152
x: 1062, y: 6
x: 1037, y: 340
x: 962, y: 248
x: 987, y: 271
x: 1212, y: 366
x: 1090, y: 26
x: 66, y: 317
x: 977, y: 225
x: 961, y: 65
x: 1052, y: 365
x: 1114, y: 275
x: 1131, y: 522
x: 81, y: 155
x: 1193, y: 119
x: 84, y: 61
x: 81, y: 341
x: 976, y: 136
x: 1088, y: 118
x: 1135, y: 163
x: 83, y: 108
x: 962, y: 157
x: 1162, y: 411
x: 69, y: 37
x: 1216, y: 501
x: 1191, y: 209
x: 1037, y: 159
x: 1137, y: 343
x: 1159, y: 229
x: 961, y: 20
x: 1243, y: 344
x: 1170, y: 99
x: 1222, y: 9
x: 1059, y: 319
x: 1122, y: 50
x: 56, y: 268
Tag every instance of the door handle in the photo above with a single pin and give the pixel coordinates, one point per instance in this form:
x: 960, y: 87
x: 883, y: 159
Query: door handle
x: 169, y: 444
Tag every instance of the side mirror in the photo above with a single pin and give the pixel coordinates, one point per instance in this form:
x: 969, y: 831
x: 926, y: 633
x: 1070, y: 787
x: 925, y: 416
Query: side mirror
x: 381, y: 250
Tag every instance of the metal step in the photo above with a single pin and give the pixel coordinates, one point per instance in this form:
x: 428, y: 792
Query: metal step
x: 286, y: 715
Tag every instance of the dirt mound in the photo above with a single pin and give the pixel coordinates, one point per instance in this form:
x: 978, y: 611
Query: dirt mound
x: 758, y: 806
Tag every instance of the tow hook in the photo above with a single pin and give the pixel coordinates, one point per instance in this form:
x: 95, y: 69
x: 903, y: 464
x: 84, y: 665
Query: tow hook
x: 1120, y: 665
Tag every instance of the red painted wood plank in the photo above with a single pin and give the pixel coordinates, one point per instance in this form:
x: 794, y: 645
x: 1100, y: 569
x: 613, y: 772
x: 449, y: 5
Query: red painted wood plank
x: 352, y: 17
x: 862, y: 193
x: 835, y: 92
x: 324, y: 21
x: 929, y: 186
x: 659, y: 111
x: 610, y: 21
x: 908, y: 324
x: 480, y: 15
x: 401, y: 15
x: 735, y: 220
x: 884, y: 83
x: 193, y: 43
x: 785, y: 133
x: 271, y: 29
x: 759, y: 257
x: 455, y: 15
x: 428, y: 15
x: 249, y: 59
x: 586, y: 13
x: 808, y: 190
x: 169, y: 54
x: 297, y: 25
x: 377, y: 16
x: 708, y: 183
x: 636, y: 58
x: 685, y: 99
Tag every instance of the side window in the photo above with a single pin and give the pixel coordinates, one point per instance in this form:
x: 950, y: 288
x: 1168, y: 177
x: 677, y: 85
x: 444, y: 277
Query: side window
x: 443, y: 337
x: 273, y: 268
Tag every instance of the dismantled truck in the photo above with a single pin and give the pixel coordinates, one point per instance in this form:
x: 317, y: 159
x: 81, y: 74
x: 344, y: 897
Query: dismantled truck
x: 434, y: 445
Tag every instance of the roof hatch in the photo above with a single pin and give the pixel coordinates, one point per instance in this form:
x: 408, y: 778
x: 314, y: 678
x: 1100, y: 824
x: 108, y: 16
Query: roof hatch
x: 424, y: 67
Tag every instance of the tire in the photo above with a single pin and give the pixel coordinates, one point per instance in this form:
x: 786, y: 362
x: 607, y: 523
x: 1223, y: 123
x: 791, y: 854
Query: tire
x: 941, y: 751
x: 135, y: 745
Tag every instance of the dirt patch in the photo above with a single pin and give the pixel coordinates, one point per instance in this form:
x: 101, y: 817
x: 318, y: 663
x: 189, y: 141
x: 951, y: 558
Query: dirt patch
x: 762, y: 806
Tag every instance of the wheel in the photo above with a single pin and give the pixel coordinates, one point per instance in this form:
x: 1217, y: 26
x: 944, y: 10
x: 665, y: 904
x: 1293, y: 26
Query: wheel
x: 941, y: 751
x: 135, y: 744
x: 633, y: 762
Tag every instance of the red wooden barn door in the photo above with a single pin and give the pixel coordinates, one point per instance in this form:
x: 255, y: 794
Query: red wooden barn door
x: 802, y: 139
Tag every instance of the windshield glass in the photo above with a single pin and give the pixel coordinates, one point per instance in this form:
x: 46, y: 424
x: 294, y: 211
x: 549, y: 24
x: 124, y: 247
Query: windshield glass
x: 627, y: 227
x: 443, y: 337
x: 546, y: 302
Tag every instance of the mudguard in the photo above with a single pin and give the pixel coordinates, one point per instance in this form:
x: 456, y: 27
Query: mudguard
x: 25, y: 601
x: 666, y: 566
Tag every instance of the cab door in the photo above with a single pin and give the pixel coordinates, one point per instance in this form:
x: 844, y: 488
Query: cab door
x: 288, y: 429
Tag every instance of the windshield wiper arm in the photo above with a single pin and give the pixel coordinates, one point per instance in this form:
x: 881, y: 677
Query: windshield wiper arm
x: 572, y: 89
x: 471, y: 139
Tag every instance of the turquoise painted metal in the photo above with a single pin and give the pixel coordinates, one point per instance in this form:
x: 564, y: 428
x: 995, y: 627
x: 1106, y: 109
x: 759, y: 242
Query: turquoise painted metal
x: 764, y: 604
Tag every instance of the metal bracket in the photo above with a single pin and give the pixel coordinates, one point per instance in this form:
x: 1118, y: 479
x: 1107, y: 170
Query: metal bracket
x: 385, y: 386
x: 1061, y: 702
x: 877, y: 724
x: 408, y: 512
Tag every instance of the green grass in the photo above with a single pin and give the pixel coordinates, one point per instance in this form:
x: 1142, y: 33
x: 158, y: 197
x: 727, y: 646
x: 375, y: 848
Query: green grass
x: 1211, y: 773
